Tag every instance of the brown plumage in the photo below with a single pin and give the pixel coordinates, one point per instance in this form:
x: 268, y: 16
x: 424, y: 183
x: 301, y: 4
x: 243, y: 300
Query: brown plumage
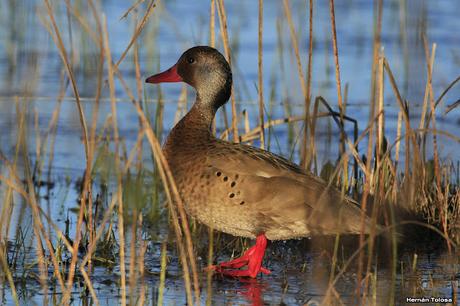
x: 239, y: 189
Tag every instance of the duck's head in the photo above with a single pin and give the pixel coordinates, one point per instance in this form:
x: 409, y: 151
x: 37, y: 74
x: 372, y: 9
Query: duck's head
x: 205, y: 69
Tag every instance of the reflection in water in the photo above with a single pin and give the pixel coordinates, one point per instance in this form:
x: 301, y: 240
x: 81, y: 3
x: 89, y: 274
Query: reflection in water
x: 253, y: 290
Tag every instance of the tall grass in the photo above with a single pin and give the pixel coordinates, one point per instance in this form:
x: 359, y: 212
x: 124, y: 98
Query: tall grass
x: 120, y: 187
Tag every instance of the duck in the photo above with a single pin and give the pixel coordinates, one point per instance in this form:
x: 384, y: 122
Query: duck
x: 239, y: 189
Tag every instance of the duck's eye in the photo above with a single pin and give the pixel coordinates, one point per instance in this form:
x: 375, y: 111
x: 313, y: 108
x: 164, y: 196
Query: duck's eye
x: 190, y: 60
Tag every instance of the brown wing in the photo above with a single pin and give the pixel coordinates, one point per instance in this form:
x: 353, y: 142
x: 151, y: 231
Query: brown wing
x: 285, y: 201
x: 250, y: 160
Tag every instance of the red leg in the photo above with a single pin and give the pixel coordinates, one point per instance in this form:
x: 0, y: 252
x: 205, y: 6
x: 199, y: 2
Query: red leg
x: 252, y: 258
x: 240, y: 261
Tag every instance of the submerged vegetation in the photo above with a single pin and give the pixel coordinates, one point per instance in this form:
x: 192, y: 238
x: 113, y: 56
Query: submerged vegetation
x: 111, y: 224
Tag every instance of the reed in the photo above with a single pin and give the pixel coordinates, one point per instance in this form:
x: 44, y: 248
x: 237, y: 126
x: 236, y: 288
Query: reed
x: 224, y: 34
x: 42, y: 238
x: 336, y: 62
x: 306, y: 159
x: 123, y: 184
x: 163, y: 273
x: 114, y: 120
x: 295, y: 44
x: 260, y: 87
x: 55, y: 33
x: 212, y: 43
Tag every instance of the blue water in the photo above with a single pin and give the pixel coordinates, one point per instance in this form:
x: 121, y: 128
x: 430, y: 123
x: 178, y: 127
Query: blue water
x: 31, y: 70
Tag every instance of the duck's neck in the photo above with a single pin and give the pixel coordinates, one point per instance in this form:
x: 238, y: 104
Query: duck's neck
x: 198, y: 120
x: 194, y: 128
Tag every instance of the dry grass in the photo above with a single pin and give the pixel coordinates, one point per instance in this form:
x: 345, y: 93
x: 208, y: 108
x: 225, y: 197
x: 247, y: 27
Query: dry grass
x: 65, y: 260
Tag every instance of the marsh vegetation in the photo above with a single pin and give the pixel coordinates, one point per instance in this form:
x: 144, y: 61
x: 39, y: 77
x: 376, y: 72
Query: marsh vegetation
x: 363, y: 94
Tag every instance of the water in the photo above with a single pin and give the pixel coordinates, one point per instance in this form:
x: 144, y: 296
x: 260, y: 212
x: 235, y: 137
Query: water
x: 30, y: 77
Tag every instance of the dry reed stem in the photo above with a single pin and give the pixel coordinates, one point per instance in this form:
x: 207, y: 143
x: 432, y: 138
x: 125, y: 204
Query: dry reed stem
x: 287, y: 12
x: 442, y: 211
x: 38, y: 142
x: 250, y: 135
x: 381, y: 123
x: 114, y: 199
x: 90, y: 286
x: 119, y: 194
x: 170, y: 189
x: 255, y: 132
x: 397, y: 150
x: 30, y: 197
x: 7, y: 211
x: 133, y: 277
x: 449, y: 108
x: 440, y: 132
x: 353, y: 146
x: 306, y: 157
x: 305, y: 153
x: 313, y: 135
x: 410, y: 136
x: 212, y: 24
x: 339, y: 90
x: 175, y: 218
x: 398, y: 136
x: 227, y: 130
x: 212, y: 42
x: 7, y: 207
x: 38, y: 227
x: 379, y: 162
x: 108, y: 212
x: 181, y: 104
x: 247, y: 127
x: 86, y: 185
x: 95, y: 113
x: 209, y: 272
x: 132, y: 258
x: 224, y: 33
x: 132, y: 8
x: 63, y: 54
x: 425, y: 97
x: 161, y: 287
x: 137, y: 68
x: 87, y: 27
x: 260, y: 72
x: 368, y: 186
x: 378, y: 13
x: 405, y: 114
x: 6, y: 270
x: 328, y: 300
x: 137, y: 32
x: 141, y: 261
x: 59, y: 234
x: 369, y: 176
x: 361, y: 248
x: 52, y: 126
x: 401, y: 113
x: 452, y: 106
x: 337, y: 77
x: 15, y: 184
x: 168, y: 182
